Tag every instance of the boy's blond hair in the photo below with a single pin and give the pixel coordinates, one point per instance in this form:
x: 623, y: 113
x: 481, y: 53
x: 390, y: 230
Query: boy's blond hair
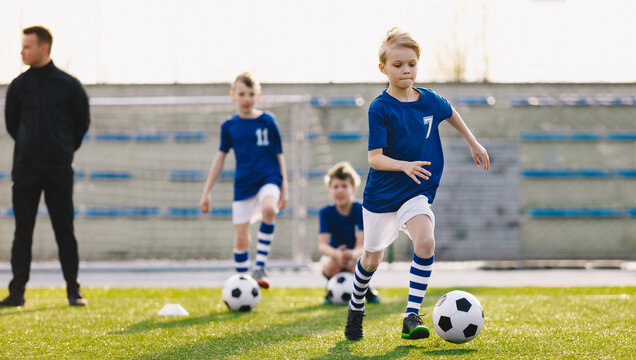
x: 343, y: 171
x: 397, y: 37
x: 249, y: 80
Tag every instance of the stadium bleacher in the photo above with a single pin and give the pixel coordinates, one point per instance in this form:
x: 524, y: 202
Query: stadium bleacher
x: 547, y: 149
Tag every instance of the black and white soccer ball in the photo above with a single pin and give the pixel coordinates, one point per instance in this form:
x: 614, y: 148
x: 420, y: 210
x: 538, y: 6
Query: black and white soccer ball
x: 458, y: 317
x: 340, y: 288
x: 241, y: 293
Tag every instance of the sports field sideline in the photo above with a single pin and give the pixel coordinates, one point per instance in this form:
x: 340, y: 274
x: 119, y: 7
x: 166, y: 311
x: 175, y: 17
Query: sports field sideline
x: 283, y: 274
x: 529, y: 314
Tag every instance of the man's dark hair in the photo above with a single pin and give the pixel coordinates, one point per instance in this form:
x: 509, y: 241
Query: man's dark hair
x: 43, y: 34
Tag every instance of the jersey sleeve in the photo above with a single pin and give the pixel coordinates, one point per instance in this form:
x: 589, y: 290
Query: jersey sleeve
x: 275, y: 137
x: 445, y: 110
x: 377, y: 129
x: 324, y: 223
x: 226, y: 140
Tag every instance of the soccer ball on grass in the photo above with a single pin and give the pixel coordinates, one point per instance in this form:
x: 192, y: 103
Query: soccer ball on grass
x: 458, y: 317
x: 340, y: 288
x: 241, y: 293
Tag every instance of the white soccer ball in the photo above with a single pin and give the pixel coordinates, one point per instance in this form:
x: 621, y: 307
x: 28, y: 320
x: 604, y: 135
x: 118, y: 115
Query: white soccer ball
x: 241, y: 293
x: 458, y: 317
x: 340, y: 288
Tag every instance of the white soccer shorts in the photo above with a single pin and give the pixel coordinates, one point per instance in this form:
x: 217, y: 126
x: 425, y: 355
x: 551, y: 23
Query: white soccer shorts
x: 249, y: 210
x: 382, y: 229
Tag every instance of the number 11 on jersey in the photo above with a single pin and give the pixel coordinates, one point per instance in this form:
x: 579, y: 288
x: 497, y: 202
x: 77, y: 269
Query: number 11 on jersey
x: 261, y: 137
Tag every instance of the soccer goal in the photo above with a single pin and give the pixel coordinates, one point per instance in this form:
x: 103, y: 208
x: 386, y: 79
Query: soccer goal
x: 141, y: 171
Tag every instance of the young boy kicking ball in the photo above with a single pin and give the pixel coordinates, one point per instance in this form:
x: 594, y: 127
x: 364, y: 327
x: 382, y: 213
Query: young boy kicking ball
x: 406, y: 159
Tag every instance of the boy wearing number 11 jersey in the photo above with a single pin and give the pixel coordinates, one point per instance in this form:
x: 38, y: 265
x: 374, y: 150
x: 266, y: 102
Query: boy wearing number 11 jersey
x: 260, y: 180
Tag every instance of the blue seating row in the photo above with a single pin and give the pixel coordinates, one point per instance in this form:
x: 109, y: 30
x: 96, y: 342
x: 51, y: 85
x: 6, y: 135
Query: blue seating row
x: 193, y: 212
x: 95, y: 175
x: 336, y: 101
x: 581, y: 212
x: 344, y: 136
x: 578, y: 173
x: 200, y: 136
x: 551, y: 136
x: 319, y: 101
x: 147, y: 137
x: 150, y: 211
x: 573, y: 100
x: 175, y: 175
x: 474, y: 100
x: 200, y: 175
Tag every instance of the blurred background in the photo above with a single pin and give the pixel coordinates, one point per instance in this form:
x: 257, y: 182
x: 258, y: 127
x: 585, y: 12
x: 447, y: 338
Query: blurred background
x: 548, y: 87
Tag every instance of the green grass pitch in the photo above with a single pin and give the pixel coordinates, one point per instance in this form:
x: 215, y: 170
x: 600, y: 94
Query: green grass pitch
x: 521, y: 323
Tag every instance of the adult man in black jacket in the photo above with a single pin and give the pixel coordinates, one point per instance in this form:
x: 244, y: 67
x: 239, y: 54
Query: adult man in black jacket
x: 46, y: 113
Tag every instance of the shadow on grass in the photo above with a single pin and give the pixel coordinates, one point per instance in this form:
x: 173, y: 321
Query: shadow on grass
x: 178, y: 323
x: 342, y: 349
x: 453, y: 352
x: 7, y: 311
x: 306, y: 309
x: 387, y: 306
x: 310, y: 325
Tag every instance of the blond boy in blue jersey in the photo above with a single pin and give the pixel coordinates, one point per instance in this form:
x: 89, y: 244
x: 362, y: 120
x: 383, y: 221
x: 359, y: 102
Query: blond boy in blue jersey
x: 406, y: 159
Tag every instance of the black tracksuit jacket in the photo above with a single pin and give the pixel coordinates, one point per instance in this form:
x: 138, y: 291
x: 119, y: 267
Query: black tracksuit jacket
x: 47, y: 114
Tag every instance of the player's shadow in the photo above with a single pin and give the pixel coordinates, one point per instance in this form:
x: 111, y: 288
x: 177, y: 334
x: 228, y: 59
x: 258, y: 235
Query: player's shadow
x: 386, y: 304
x: 151, y: 324
x: 342, y: 349
x: 306, y: 325
x: 449, y: 352
x: 322, y: 306
x: 235, y: 343
x: 13, y: 311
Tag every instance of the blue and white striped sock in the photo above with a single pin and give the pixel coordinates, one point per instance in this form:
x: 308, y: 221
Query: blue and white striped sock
x: 360, y: 287
x: 265, y: 237
x: 241, y: 261
x: 418, y: 282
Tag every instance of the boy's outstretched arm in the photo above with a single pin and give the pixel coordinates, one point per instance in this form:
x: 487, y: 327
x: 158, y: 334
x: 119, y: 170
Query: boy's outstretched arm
x: 479, y: 153
x: 284, y: 193
x: 413, y: 169
x: 213, y: 175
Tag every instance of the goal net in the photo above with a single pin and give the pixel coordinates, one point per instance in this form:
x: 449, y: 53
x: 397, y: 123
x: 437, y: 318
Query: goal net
x: 140, y: 174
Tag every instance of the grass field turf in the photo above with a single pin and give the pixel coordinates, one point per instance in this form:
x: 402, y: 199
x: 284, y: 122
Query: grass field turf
x: 529, y: 323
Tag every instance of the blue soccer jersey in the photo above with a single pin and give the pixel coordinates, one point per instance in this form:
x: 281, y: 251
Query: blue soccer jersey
x: 405, y: 131
x: 256, y: 144
x: 343, y: 229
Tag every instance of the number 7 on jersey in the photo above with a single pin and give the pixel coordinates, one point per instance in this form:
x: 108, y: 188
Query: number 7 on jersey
x: 428, y: 120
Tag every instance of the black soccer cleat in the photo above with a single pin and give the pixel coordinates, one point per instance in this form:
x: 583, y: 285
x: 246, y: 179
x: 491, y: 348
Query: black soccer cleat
x: 413, y: 327
x: 12, y: 301
x: 353, y: 330
x: 261, y: 278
